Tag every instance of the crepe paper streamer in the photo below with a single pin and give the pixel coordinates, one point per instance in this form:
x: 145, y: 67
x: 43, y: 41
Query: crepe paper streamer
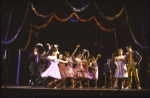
x: 6, y: 15
x: 76, y: 20
x: 44, y: 16
x: 30, y: 18
x: 2, y: 42
x: 18, y: 68
x: 28, y: 39
x: 110, y: 18
x: 143, y: 34
x: 116, y: 39
x: 107, y: 30
x: 64, y: 20
x: 10, y: 41
x: 88, y: 7
x: 19, y: 61
x: 144, y: 47
x: 5, y: 53
x: 78, y: 10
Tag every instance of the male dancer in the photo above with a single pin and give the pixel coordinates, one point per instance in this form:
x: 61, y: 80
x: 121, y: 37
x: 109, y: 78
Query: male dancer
x: 133, y: 59
x: 34, y: 58
x: 112, y: 68
x: 106, y: 73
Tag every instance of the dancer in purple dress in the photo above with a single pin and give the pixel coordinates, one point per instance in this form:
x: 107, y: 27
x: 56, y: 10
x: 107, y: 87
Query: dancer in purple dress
x: 94, y: 67
x: 71, y: 73
x: 53, y: 70
x: 121, y: 70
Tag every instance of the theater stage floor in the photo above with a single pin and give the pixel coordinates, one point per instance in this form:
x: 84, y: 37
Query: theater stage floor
x: 28, y: 91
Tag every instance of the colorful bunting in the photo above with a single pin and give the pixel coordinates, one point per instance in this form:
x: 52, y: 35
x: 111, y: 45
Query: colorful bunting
x: 110, y: 18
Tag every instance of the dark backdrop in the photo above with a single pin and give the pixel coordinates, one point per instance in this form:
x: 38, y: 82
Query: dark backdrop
x: 68, y: 34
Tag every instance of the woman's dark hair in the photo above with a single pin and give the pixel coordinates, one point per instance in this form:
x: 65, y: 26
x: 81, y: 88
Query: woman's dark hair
x: 53, y: 49
x: 78, y: 53
x: 91, y: 56
x: 129, y: 46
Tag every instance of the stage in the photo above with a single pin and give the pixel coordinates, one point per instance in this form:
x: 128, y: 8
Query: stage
x: 28, y: 91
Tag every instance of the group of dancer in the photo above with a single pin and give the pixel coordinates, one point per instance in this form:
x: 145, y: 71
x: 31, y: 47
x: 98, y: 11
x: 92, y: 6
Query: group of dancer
x: 122, y: 67
x: 51, y: 67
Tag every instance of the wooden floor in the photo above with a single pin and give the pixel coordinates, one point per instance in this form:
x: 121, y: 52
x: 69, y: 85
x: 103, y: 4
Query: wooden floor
x: 28, y: 91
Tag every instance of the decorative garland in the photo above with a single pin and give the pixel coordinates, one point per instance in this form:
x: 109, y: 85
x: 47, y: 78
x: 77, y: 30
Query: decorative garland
x: 18, y: 30
x: 116, y: 38
x: 30, y: 18
x: 64, y: 20
x: 144, y: 47
x: 76, y: 20
x: 78, y: 10
x: 2, y: 42
x: 10, y: 41
x: 44, y: 16
x: 30, y: 32
x: 87, y: 6
x: 143, y: 34
x: 18, y: 69
x: 110, y: 18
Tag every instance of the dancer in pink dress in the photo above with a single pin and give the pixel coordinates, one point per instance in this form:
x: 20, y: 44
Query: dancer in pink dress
x: 86, y: 73
x: 94, y: 67
x: 79, y: 68
x: 53, y: 70
x: 71, y: 73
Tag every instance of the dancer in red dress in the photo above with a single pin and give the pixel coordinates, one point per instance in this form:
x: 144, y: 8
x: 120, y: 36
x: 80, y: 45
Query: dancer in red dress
x: 61, y: 64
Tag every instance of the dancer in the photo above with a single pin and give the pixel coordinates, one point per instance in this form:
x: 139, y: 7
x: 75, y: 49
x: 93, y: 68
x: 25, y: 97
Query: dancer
x: 121, y: 70
x: 112, y: 68
x: 85, y: 64
x: 53, y: 70
x: 106, y: 73
x: 62, y: 70
x: 79, y: 68
x: 94, y: 66
x: 34, y: 65
x: 133, y: 59
x: 69, y: 68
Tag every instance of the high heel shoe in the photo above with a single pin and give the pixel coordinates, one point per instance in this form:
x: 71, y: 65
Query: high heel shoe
x: 59, y: 86
x: 49, y: 84
x: 80, y: 87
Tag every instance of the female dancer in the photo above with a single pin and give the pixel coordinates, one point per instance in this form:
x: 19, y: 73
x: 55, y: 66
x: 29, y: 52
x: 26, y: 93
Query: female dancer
x: 53, y: 70
x: 86, y: 73
x: 70, y: 72
x: 79, y: 68
x: 121, y: 70
x: 62, y: 70
x: 94, y: 66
